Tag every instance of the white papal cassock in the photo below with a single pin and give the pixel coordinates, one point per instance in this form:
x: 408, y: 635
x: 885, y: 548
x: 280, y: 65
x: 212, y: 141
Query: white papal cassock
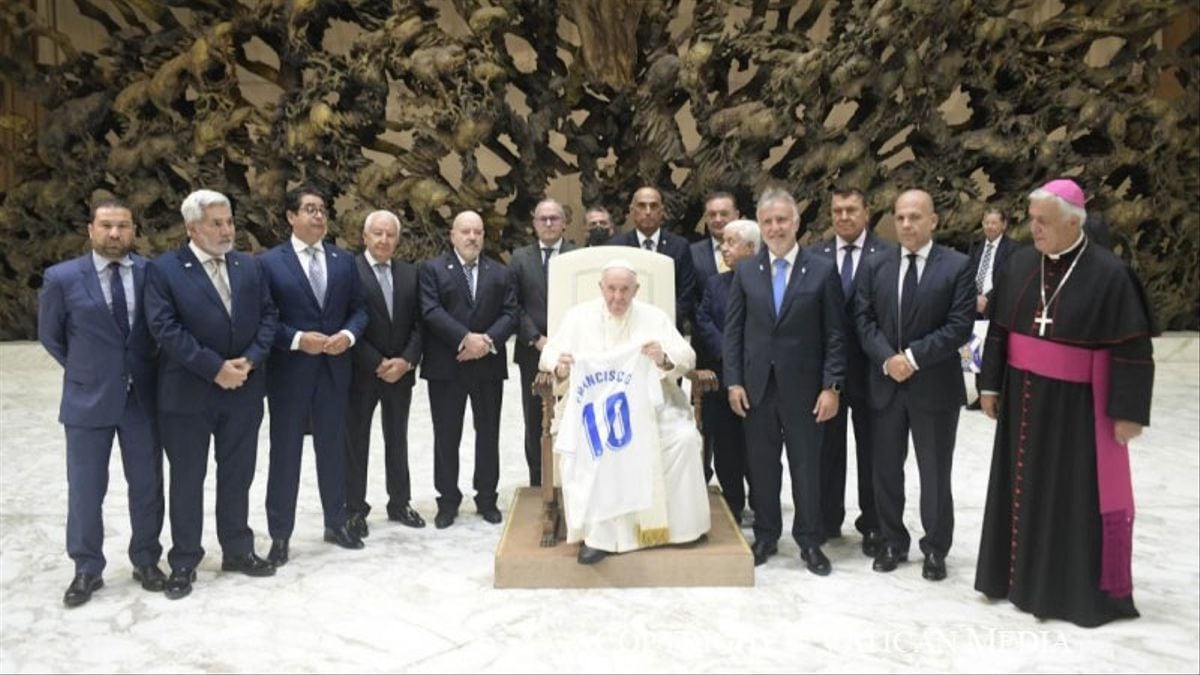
x: 636, y: 452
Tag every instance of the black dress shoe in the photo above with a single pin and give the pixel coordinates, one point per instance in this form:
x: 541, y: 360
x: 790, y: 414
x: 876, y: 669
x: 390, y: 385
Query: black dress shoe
x: 357, y: 524
x: 81, y: 589
x: 180, y: 583
x: 150, y: 577
x: 491, y: 515
x: 934, y: 568
x: 872, y: 543
x: 816, y: 561
x: 248, y: 564
x: 889, y: 559
x: 343, y: 537
x: 444, y: 518
x: 590, y: 556
x: 407, y: 516
x: 278, y: 555
x: 763, y: 549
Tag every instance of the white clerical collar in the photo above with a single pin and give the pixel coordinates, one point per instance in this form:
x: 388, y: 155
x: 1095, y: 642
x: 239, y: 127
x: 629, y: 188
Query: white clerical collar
x: 372, y: 262
x: 790, y: 257
x: 1072, y: 247
x: 922, y: 253
x: 102, y: 263
x: 654, y: 238
x: 202, y: 255
x: 858, y: 243
x: 301, y: 247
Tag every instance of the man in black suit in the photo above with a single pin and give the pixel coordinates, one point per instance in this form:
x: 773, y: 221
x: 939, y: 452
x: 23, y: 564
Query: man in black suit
x: 529, y: 265
x: 646, y: 210
x: 384, y: 363
x: 853, y: 244
x: 784, y: 366
x: 914, y: 376
x: 469, y: 303
x: 988, y: 256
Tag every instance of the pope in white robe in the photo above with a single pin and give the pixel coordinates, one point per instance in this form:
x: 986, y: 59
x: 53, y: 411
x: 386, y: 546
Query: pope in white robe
x: 677, y: 509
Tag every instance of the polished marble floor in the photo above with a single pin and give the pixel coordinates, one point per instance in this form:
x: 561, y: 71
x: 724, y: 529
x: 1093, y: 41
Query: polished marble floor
x: 422, y: 600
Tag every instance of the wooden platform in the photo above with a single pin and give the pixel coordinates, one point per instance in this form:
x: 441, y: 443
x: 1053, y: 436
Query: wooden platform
x: 722, y: 559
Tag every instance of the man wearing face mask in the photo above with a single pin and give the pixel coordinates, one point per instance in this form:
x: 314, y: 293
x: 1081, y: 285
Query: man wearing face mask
x: 530, y: 265
x: 599, y: 226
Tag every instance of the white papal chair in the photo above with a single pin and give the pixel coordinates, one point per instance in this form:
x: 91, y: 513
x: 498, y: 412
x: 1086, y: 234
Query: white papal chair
x: 574, y: 278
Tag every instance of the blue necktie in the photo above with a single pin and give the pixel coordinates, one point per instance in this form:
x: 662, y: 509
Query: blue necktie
x: 848, y: 269
x: 546, y: 261
x: 908, y: 299
x: 120, y: 308
x: 779, y: 283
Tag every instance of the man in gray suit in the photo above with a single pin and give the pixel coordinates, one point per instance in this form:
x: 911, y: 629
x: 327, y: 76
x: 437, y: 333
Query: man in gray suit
x: 530, y: 265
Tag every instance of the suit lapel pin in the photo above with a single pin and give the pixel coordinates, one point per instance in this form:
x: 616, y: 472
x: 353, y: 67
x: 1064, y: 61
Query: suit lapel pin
x: 761, y: 268
x: 187, y: 265
x: 803, y: 270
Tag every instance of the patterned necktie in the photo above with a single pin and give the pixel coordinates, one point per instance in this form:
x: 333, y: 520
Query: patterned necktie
x: 316, y: 275
x: 648, y: 244
x: 469, y: 270
x: 721, y: 266
x: 779, y: 283
x: 984, y: 263
x: 214, y: 266
x: 384, y: 272
x: 908, y: 299
x: 848, y: 269
x: 120, y: 306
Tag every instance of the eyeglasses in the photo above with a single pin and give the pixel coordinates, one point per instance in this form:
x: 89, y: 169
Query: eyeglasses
x: 314, y: 210
x: 548, y: 219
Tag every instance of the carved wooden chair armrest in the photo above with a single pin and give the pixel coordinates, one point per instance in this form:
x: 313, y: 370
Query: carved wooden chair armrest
x: 543, y: 387
x: 703, y: 382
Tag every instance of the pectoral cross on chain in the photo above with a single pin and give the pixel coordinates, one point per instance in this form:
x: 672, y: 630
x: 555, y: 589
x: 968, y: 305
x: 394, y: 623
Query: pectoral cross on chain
x: 1042, y: 320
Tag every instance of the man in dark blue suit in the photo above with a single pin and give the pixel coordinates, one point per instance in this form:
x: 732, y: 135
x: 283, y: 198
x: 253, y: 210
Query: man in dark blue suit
x: 469, y: 302
x: 321, y: 314
x: 741, y: 240
x: 914, y: 310
x: 707, y: 261
x: 646, y: 211
x: 91, y: 320
x: 784, y: 366
x: 210, y: 310
x: 852, y: 246
x: 385, y: 362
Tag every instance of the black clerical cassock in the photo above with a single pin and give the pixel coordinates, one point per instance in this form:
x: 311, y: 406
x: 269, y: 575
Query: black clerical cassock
x: 1045, y: 545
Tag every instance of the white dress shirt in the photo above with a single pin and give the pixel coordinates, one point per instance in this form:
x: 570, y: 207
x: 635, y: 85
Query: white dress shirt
x: 302, y: 254
x: 105, y: 274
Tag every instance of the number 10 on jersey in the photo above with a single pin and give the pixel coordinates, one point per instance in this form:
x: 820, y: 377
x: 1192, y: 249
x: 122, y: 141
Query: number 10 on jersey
x: 616, y: 418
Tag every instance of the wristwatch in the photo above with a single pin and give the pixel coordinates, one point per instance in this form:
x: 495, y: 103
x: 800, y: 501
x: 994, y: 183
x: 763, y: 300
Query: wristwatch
x: 836, y: 388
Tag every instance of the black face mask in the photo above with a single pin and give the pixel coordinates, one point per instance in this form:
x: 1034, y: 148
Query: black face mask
x: 597, y: 236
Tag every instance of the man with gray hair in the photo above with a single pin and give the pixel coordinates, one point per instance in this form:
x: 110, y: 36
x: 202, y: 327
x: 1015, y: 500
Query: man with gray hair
x: 1068, y: 370
x: 631, y: 464
x: 210, y: 309
x: 383, y: 374
x: 784, y: 365
x: 740, y: 240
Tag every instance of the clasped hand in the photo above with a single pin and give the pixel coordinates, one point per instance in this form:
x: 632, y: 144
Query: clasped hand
x: 314, y: 343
